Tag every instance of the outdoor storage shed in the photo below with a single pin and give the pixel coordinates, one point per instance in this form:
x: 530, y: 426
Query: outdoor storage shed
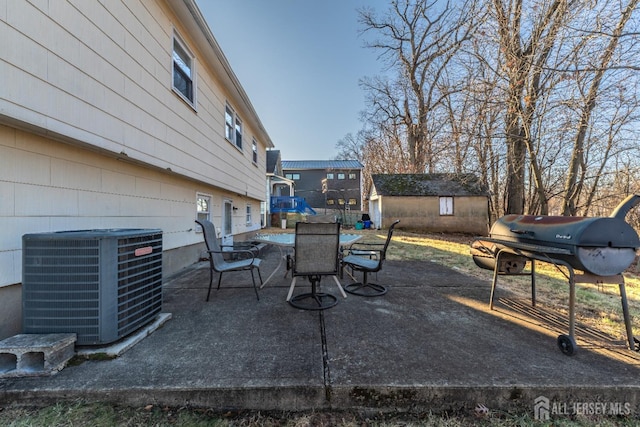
x: 441, y: 203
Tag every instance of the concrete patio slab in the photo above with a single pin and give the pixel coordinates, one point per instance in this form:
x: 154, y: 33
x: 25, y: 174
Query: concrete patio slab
x: 430, y: 344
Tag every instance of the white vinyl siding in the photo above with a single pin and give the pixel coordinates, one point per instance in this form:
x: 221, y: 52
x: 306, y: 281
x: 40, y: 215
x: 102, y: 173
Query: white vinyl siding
x: 100, y: 76
x: 110, y: 73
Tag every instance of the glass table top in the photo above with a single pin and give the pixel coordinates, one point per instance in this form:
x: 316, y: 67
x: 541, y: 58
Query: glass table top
x: 288, y: 239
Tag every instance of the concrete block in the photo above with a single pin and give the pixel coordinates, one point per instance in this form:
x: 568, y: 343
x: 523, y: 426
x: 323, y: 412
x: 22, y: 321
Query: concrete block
x: 35, y: 354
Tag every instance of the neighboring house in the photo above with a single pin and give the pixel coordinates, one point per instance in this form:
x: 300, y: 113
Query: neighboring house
x: 121, y: 114
x: 277, y: 184
x: 450, y: 203
x: 327, y: 184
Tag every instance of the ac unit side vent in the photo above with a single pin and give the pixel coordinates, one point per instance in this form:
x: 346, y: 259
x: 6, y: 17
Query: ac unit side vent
x: 100, y: 284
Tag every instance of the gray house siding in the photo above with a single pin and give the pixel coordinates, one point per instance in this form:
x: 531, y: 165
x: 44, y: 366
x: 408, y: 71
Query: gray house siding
x: 343, y: 183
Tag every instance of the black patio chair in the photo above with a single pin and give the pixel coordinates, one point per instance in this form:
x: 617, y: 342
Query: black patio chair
x: 244, y: 259
x: 367, y: 258
x: 315, y: 255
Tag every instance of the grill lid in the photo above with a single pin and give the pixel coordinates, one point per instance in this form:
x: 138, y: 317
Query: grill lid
x: 566, y: 232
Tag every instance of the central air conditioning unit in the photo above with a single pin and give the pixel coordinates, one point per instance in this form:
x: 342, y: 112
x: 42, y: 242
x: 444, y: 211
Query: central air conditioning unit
x: 100, y: 284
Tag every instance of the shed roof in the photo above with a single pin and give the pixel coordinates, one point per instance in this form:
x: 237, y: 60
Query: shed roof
x: 321, y: 164
x: 428, y: 185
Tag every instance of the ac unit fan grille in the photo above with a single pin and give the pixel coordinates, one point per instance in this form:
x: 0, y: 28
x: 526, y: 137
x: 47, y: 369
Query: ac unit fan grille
x: 139, y: 297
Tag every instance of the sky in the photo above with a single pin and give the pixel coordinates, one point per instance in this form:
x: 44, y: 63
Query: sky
x: 299, y: 61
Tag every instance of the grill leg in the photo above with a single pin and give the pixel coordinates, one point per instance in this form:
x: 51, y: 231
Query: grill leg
x: 627, y: 318
x: 533, y: 283
x: 572, y: 304
x: 494, y: 282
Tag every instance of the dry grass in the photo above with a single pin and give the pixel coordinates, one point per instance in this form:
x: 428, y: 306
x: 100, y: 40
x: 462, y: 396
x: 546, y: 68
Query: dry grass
x: 100, y: 415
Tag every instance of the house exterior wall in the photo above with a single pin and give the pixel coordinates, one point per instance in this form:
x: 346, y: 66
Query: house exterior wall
x: 99, y: 77
x: 46, y: 185
x: 422, y: 214
x: 93, y: 135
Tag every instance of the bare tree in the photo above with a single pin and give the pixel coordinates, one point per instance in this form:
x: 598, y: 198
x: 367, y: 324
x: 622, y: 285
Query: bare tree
x: 540, y: 99
x: 419, y: 40
x: 574, y: 184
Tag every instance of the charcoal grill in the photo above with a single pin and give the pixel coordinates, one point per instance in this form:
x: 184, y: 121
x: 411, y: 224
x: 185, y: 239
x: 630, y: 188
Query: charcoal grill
x: 600, y: 247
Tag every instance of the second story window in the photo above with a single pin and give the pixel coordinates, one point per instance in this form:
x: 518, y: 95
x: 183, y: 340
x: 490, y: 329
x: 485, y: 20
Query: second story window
x: 254, y: 150
x: 228, y: 123
x: 352, y: 175
x: 238, y: 140
x: 183, y: 63
x: 329, y: 176
x: 341, y: 176
x: 232, y: 127
x: 294, y: 176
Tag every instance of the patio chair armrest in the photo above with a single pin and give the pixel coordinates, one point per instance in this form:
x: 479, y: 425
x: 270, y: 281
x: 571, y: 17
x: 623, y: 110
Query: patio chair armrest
x: 365, y: 247
x: 366, y: 244
x: 245, y: 253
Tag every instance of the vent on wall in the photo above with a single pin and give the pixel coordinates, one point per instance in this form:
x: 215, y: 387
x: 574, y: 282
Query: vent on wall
x: 100, y: 284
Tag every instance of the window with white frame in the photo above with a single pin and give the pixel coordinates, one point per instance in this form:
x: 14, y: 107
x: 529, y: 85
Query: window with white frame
x: 446, y: 205
x: 183, y: 71
x: 254, y: 150
x: 232, y: 127
x: 228, y: 123
x: 248, y: 215
x: 238, y: 139
x: 203, y: 207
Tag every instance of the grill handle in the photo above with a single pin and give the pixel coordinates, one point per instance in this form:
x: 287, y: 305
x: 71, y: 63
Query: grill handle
x: 620, y: 212
x: 522, y: 232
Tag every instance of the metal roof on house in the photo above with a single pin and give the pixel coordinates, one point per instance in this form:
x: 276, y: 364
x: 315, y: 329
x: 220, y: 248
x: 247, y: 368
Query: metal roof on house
x: 321, y: 164
x: 428, y: 185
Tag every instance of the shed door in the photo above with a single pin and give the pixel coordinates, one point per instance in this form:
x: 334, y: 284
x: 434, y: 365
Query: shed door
x: 376, y: 215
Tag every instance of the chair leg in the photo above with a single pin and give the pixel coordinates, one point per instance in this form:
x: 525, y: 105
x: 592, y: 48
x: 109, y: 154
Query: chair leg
x: 339, y: 286
x: 219, y: 279
x: 210, y: 284
x: 255, y: 288
x: 293, y: 285
x: 260, y: 276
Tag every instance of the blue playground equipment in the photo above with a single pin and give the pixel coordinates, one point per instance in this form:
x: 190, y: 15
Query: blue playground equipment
x: 290, y: 204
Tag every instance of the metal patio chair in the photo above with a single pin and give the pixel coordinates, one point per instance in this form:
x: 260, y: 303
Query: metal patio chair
x: 244, y: 259
x: 367, y: 258
x: 315, y: 255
